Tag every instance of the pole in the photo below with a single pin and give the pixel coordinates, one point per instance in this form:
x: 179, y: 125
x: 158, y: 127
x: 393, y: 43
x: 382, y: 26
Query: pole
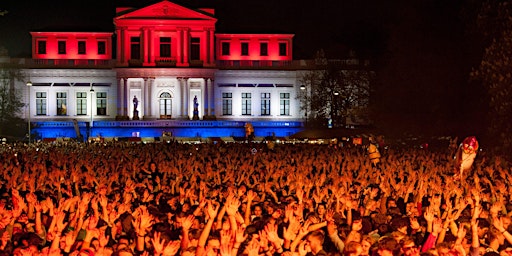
x: 29, y: 84
x: 91, y: 124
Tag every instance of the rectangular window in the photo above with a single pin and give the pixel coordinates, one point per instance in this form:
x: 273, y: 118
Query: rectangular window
x: 264, y: 49
x: 195, y: 49
x: 102, y: 47
x: 283, y: 49
x: 101, y: 103
x: 41, y: 47
x: 41, y: 103
x: 135, y: 48
x: 81, y: 47
x: 265, y: 104
x: 226, y: 51
x: 246, y: 104
x: 227, y: 103
x: 61, y: 47
x: 245, y: 49
x: 62, y: 104
x: 284, y: 104
x: 81, y: 103
x: 165, y: 47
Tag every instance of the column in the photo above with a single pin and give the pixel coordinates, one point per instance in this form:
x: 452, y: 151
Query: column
x: 188, y: 111
x: 179, y: 47
x: 150, y: 96
x: 144, y: 44
x: 126, y: 46
x: 119, y: 51
x: 182, y: 97
x: 126, y: 100
x: 145, y: 94
x: 203, y: 110
x: 186, y: 43
x: 211, y: 105
x: 212, y: 43
x: 120, y: 97
x: 151, y: 46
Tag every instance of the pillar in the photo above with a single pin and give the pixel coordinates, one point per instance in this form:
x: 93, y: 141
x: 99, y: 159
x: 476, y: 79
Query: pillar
x: 146, y: 98
x: 211, y: 105
x: 120, y: 97
x: 179, y: 47
x: 211, y: 51
x: 186, y: 44
x: 144, y: 44
x: 203, y: 110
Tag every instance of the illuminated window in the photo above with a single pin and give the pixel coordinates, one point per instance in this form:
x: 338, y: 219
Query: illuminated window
x: 41, y: 47
x: 61, y: 47
x: 245, y: 49
x: 41, y: 103
x: 62, y: 108
x: 102, y: 47
x: 283, y: 49
x: 81, y: 47
x: 265, y: 104
x: 135, y: 48
x: 195, y: 49
x: 81, y: 103
x: 284, y: 104
x: 227, y: 103
x: 101, y: 103
x: 264, y: 49
x: 165, y: 47
x: 165, y: 105
x: 246, y: 104
x: 225, y: 48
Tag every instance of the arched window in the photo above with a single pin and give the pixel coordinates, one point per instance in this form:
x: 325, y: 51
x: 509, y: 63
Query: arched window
x: 165, y: 105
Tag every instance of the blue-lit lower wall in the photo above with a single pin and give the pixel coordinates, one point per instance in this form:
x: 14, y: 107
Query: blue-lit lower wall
x: 142, y: 129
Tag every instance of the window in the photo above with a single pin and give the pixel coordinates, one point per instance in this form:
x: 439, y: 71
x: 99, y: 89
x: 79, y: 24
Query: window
x: 265, y: 104
x: 41, y: 103
x: 61, y: 47
x: 165, y: 47
x: 283, y: 49
x: 227, y: 103
x: 101, y: 103
x: 81, y: 47
x: 41, y: 47
x: 135, y: 48
x: 195, y: 49
x: 225, y: 48
x: 165, y: 105
x: 62, y: 104
x: 81, y: 103
x: 245, y: 49
x: 264, y: 49
x: 102, y: 47
x: 284, y: 104
x: 246, y: 104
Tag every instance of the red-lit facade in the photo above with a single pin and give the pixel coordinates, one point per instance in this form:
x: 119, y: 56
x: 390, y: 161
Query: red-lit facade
x: 165, y: 34
x: 249, y: 49
x: 72, y: 46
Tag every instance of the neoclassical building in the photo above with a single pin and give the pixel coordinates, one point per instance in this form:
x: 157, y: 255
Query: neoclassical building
x: 163, y: 67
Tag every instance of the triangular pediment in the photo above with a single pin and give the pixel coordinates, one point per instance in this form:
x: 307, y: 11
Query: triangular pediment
x: 163, y: 10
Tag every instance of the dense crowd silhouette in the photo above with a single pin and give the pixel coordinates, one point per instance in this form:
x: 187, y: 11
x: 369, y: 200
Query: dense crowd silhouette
x: 249, y: 199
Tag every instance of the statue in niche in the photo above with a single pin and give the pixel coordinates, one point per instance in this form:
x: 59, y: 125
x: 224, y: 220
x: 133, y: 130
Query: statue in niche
x: 196, y: 109
x: 135, y: 105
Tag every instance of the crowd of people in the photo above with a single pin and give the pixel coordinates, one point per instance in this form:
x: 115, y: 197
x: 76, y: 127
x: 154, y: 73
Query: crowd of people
x: 249, y: 199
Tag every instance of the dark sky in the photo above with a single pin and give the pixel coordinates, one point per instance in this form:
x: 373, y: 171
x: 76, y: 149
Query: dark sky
x: 419, y: 47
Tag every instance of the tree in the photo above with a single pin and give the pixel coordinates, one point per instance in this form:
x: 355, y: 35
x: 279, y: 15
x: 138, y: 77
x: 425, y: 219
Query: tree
x: 337, y: 90
x: 495, y: 69
x: 11, y: 123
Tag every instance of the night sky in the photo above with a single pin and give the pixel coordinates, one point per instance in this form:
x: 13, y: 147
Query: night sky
x: 420, y: 49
